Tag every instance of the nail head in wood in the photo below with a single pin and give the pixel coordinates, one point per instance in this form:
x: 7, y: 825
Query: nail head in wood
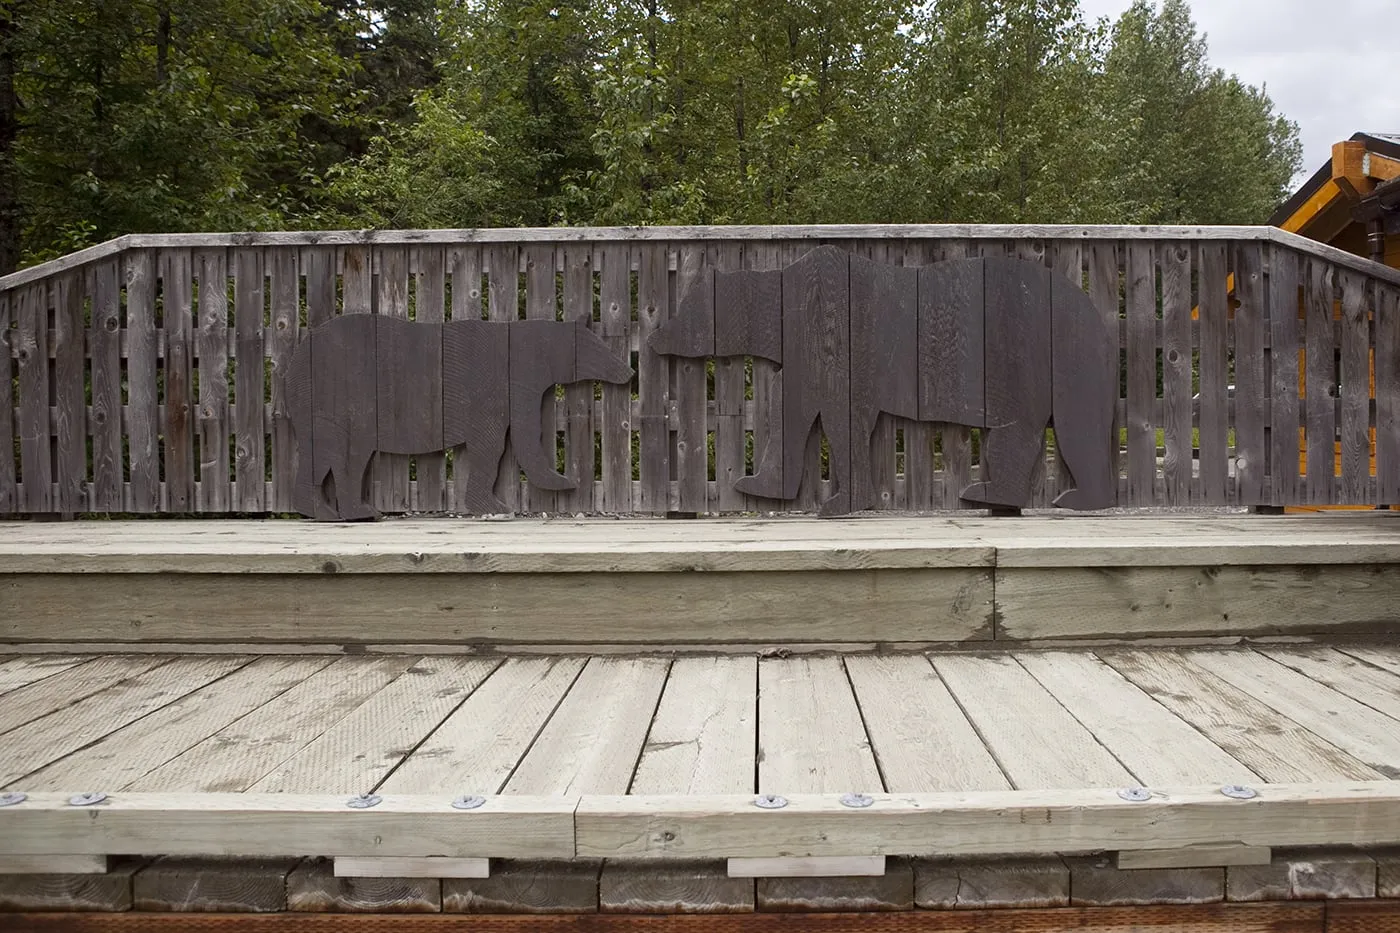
x: 770, y: 802
x: 87, y: 800
x: 1239, y: 792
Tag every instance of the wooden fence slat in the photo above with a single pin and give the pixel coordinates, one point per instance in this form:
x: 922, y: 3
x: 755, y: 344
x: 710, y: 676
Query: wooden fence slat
x: 250, y: 450
x: 142, y: 405
x: 695, y: 270
x: 1104, y: 291
x: 1042, y: 480
x: 955, y: 440
x: 615, y: 297
x: 1178, y: 454
x: 1388, y: 395
x: 1355, y: 386
x: 920, y: 480
x: 653, y: 373
x: 35, y: 461
x: 1142, y: 373
x: 286, y: 330
x: 578, y: 399
x: 1284, y: 390
x: 1319, y: 384
x: 70, y: 373
x: 541, y: 294
x: 104, y: 341
x: 212, y: 493
x: 1067, y: 259
x: 464, y: 266
x: 177, y: 310
x: 503, y: 296
x: 1214, y: 377
x: 882, y: 437
x: 319, y: 263
x: 8, y: 446
x: 391, y: 300
x: 767, y: 389
x: 1251, y: 327
x: 729, y: 404
x: 430, y: 307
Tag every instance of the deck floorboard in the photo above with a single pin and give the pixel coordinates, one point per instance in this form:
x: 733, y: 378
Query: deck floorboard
x: 699, y: 726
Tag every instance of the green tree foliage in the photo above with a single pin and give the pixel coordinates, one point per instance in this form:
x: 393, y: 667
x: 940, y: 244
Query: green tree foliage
x: 201, y: 114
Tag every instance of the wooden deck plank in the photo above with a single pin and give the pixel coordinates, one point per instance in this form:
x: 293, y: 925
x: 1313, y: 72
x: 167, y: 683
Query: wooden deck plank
x: 239, y: 755
x: 477, y: 748
x: 45, y: 740
x: 1278, y: 749
x: 64, y: 688
x: 355, y: 754
x: 1387, y: 658
x: 811, y: 737
x: 23, y: 670
x: 1364, y: 683
x: 920, y: 737
x: 1037, y: 743
x: 592, y: 742
x: 118, y: 759
x: 1353, y: 727
x: 1153, y: 743
x: 704, y: 735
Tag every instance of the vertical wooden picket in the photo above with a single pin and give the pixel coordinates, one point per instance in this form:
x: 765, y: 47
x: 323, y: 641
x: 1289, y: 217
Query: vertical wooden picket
x: 578, y: 399
x: 36, y: 466
x: 250, y: 428
x: 653, y: 372
x: 285, y: 319
x: 1320, y: 382
x: 1251, y: 389
x: 1283, y: 356
x: 615, y: 297
x: 503, y: 264
x: 104, y: 343
x: 70, y: 404
x: 176, y: 323
x: 212, y: 490
x: 1213, y: 276
x: 430, y: 307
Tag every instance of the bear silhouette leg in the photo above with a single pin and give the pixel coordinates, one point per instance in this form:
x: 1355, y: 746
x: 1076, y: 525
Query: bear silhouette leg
x: 482, y: 464
x: 351, y: 483
x: 1008, y: 458
x: 781, y: 480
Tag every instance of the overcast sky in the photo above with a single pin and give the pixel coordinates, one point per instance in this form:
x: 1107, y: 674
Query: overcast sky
x: 1325, y: 63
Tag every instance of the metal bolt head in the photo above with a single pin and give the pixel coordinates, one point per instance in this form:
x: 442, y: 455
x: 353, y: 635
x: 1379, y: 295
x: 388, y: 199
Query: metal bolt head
x: 1135, y: 794
x: 1239, y: 792
x: 364, y: 801
x: 468, y: 802
x: 856, y: 801
x: 770, y: 802
x: 12, y: 798
x: 88, y: 799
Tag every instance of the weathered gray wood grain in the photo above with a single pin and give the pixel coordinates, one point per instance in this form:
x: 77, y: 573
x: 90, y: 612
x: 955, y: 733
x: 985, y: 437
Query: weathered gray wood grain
x: 142, y: 410
x: 177, y: 309
x: 250, y: 452
x: 1284, y: 313
x: 211, y: 417
x: 70, y: 406
x: 1213, y: 276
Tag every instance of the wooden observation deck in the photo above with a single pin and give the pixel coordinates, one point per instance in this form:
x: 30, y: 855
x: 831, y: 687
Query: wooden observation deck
x: 951, y: 707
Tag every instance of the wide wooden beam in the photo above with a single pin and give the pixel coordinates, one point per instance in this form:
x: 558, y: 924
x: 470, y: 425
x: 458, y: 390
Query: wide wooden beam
x: 432, y: 866
x: 288, y: 824
x: 1196, y: 918
x: 990, y: 823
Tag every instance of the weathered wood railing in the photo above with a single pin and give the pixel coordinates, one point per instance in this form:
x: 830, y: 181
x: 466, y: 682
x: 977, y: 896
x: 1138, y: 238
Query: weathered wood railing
x: 143, y: 375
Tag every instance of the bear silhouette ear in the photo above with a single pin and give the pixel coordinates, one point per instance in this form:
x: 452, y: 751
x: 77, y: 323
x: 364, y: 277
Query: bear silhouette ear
x: 691, y: 332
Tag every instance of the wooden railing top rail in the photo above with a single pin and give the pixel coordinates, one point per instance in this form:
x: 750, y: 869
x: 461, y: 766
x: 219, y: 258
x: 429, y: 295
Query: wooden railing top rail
x: 740, y: 232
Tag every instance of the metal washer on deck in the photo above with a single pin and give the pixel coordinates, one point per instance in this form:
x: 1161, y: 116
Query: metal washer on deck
x: 1239, y: 792
x: 468, y: 802
x: 856, y: 801
x: 770, y: 801
x: 12, y: 798
x: 1135, y: 794
x: 88, y: 799
x: 364, y: 801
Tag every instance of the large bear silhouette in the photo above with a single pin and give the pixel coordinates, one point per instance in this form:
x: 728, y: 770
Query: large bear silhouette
x: 363, y: 383
x: 1003, y: 345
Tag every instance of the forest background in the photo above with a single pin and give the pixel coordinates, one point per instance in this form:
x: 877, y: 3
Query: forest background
x: 121, y: 116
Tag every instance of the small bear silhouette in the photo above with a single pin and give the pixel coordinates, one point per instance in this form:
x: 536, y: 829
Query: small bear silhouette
x: 363, y: 383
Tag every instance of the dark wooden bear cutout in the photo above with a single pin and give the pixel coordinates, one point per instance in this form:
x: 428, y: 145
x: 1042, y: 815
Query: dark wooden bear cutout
x: 365, y: 383
x: 1004, y: 345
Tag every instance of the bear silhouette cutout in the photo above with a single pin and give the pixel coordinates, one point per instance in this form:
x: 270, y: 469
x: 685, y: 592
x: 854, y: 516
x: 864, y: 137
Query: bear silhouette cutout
x: 1003, y: 345
x: 364, y: 383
